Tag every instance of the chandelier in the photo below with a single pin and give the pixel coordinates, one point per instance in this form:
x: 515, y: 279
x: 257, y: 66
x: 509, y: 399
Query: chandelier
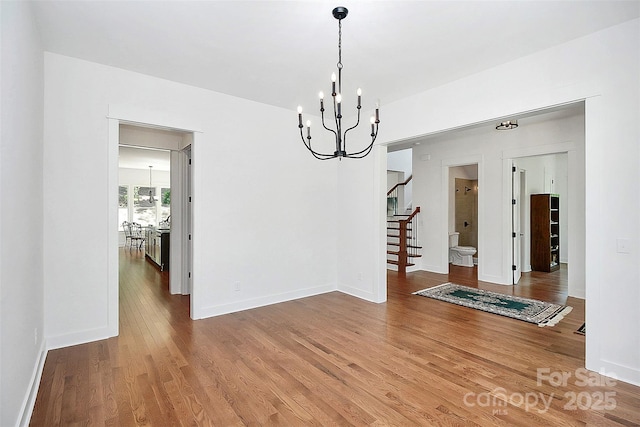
x: 336, y: 99
x: 152, y: 190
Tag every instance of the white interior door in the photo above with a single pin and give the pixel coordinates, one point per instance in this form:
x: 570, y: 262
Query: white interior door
x: 188, y: 222
x: 516, y: 236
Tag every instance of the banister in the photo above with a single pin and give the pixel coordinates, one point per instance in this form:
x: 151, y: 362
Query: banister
x: 414, y: 213
x: 399, y: 184
x: 403, y: 253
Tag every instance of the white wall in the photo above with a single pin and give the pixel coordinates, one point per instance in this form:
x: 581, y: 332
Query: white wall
x: 21, y: 273
x: 140, y: 136
x: 588, y: 69
x: 140, y: 177
x: 360, y: 220
x: 264, y: 209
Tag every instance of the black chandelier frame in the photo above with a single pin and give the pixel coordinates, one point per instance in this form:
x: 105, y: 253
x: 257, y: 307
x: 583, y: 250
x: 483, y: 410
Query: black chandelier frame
x: 339, y: 13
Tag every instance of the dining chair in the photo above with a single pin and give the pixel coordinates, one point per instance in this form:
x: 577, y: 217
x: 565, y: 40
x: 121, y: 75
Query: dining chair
x: 137, y: 235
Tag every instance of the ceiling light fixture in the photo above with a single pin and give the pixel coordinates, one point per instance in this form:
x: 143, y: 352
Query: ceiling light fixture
x: 336, y: 94
x: 152, y: 200
x: 507, y: 125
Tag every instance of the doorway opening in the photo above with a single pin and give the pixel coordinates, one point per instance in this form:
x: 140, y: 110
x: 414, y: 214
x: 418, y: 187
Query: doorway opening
x: 463, y: 215
x: 540, y: 174
x: 154, y: 183
x: 402, y: 244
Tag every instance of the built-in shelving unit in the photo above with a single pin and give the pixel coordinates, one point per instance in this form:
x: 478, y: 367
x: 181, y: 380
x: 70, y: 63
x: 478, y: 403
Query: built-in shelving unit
x: 545, y: 232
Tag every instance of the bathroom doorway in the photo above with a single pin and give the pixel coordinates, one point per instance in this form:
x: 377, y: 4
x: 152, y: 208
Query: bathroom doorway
x: 463, y: 214
x: 466, y: 211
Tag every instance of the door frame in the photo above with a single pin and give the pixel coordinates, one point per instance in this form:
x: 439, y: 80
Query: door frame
x: 516, y: 223
x: 446, y: 197
x: 126, y: 114
x: 509, y: 156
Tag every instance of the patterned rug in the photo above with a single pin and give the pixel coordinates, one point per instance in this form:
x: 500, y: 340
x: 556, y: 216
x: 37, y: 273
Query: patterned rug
x: 529, y: 310
x: 582, y: 330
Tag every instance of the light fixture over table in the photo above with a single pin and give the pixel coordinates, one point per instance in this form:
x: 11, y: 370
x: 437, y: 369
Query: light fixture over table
x: 336, y: 98
x: 152, y: 200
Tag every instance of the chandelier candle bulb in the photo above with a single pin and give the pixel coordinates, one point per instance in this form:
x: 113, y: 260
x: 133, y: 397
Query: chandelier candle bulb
x: 299, y: 116
x: 339, y: 102
x: 308, y: 129
x: 373, y: 120
x: 359, y: 92
x: 321, y: 95
x: 333, y: 84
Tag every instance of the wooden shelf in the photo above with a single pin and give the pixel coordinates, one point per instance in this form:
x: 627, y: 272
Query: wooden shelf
x: 545, y: 232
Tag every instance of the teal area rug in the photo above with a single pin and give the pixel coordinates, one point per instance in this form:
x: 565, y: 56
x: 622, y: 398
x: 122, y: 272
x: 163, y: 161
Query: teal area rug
x: 529, y: 310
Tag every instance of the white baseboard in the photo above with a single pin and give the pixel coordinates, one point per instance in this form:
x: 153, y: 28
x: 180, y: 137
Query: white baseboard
x: 410, y: 269
x: 81, y: 337
x: 627, y: 374
x: 218, y: 310
x: 358, y: 293
x: 29, y: 400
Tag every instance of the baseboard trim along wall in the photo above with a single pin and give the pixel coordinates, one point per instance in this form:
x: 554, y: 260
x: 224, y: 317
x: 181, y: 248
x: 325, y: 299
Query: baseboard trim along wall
x: 29, y: 400
x: 82, y: 337
x: 218, y: 310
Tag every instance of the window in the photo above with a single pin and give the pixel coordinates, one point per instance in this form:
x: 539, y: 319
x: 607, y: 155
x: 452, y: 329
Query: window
x: 134, y: 205
x: 144, y: 211
x: 165, y: 204
x: 123, y: 205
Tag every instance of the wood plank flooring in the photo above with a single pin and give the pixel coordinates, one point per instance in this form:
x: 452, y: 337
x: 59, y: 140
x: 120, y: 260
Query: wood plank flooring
x: 330, y: 359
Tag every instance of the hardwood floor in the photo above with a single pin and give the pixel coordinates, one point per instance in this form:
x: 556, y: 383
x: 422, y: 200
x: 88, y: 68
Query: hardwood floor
x: 330, y: 359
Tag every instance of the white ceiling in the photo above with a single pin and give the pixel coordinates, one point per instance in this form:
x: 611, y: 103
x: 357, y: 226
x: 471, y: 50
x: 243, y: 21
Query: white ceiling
x: 283, y: 52
x: 142, y: 158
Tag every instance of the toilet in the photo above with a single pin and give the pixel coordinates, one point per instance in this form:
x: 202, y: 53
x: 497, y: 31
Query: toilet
x: 460, y: 255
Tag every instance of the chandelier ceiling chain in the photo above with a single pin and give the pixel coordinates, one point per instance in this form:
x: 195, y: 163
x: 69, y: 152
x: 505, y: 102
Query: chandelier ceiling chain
x: 341, y: 151
x: 339, y: 64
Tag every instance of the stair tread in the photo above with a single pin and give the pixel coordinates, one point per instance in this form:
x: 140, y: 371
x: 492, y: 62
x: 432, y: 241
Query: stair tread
x: 409, y: 255
x: 409, y: 264
x: 409, y: 246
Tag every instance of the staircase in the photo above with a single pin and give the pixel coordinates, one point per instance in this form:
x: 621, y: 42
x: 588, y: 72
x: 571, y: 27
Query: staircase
x: 402, y: 233
x: 402, y: 241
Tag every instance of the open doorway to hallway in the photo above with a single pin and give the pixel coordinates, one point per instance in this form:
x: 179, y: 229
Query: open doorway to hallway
x: 154, y: 198
x: 403, y: 246
x: 545, y: 132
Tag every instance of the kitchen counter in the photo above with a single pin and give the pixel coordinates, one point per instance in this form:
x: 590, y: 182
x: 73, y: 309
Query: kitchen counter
x: 157, y: 245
